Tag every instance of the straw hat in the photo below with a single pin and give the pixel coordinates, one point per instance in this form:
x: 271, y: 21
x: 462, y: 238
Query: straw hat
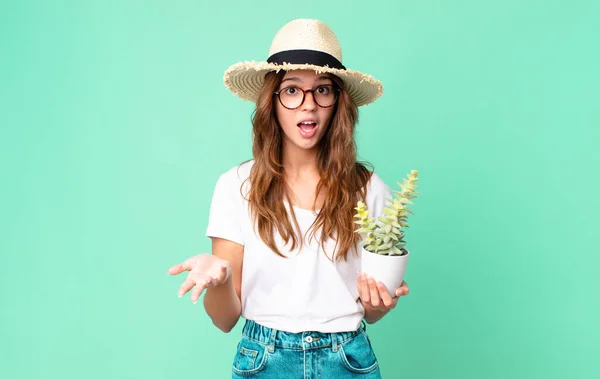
x: 300, y: 45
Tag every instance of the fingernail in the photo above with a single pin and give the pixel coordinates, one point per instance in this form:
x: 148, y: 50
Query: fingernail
x: 179, y: 295
x: 194, y: 302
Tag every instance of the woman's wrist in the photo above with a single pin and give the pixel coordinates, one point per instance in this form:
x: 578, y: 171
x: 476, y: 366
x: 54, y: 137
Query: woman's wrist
x: 372, y: 315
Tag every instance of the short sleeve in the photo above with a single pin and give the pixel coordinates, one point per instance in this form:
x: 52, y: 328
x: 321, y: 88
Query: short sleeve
x: 377, y: 196
x: 224, y: 220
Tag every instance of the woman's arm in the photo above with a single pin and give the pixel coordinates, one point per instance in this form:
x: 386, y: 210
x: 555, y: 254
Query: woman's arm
x: 222, y: 302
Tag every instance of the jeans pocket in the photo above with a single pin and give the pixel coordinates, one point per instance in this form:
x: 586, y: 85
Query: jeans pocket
x: 250, y: 358
x: 358, y: 356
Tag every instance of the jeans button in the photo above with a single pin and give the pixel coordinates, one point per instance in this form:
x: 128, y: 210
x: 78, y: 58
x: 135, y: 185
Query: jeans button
x: 309, y: 339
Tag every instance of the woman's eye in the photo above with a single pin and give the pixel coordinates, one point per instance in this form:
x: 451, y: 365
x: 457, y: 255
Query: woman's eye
x: 291, y: 90
x: 324, y: 90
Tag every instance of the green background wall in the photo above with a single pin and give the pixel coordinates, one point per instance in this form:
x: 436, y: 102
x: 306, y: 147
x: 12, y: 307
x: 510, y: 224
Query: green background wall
x: 115, y: 125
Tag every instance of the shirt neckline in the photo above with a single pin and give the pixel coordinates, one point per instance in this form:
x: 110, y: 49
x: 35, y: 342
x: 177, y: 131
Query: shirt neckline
x: 302, y: 209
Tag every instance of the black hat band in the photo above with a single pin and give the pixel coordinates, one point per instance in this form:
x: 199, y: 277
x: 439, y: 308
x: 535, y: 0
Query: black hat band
x: 317, y: 58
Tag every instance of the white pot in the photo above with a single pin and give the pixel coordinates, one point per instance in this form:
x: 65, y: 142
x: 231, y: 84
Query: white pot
x: 388, y: 269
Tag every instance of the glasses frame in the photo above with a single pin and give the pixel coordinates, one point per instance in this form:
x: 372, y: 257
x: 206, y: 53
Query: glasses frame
x: 335, y: 88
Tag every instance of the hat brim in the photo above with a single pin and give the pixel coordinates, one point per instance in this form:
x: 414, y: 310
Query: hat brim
x: 245, y: 79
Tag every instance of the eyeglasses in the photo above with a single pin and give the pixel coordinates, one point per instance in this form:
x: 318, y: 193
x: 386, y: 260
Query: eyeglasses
x: 293, y: 97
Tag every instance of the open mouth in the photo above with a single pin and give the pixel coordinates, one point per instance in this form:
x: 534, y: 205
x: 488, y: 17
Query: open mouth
x: 307, y: 128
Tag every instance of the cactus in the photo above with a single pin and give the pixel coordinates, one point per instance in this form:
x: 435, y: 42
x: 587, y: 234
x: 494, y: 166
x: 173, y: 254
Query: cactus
x: 385, y: 236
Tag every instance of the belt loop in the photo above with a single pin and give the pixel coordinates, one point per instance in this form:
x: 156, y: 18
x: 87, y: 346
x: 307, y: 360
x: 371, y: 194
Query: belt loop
x: 334, y: 342
x: 247, y: 327
x: 272, y: 340
x: 364, y: 324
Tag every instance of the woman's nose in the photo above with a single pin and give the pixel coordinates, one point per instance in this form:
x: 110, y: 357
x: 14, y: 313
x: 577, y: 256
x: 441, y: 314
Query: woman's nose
x: 309, y: 101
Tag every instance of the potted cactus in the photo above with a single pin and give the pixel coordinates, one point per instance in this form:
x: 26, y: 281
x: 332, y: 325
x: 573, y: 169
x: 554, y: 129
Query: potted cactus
x: 384, y: 256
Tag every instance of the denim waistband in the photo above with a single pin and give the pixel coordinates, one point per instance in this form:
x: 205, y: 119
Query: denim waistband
x: 297, y: 341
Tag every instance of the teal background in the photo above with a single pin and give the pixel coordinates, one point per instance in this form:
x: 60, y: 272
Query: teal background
x: 115, y: 126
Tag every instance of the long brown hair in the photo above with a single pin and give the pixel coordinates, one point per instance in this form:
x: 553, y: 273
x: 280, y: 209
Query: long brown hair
x: 342, y: 178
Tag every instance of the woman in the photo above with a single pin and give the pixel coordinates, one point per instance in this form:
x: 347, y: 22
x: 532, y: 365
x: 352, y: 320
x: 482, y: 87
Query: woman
x: 284, y: 252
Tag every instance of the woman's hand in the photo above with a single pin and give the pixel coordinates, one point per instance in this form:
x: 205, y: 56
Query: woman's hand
x: 206, y: 270
x: 375, y: 298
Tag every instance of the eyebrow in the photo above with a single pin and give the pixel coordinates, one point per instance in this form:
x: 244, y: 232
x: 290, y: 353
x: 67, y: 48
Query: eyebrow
x: 293, y: 78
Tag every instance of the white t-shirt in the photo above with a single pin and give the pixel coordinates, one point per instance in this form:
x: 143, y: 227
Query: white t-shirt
x: 305, y: 291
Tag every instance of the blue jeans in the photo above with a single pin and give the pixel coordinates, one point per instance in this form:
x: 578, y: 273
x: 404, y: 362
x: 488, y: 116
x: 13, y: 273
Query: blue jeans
x: 265, y: 353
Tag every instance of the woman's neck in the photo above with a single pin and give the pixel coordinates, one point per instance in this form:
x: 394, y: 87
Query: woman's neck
x: 300, y: 163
